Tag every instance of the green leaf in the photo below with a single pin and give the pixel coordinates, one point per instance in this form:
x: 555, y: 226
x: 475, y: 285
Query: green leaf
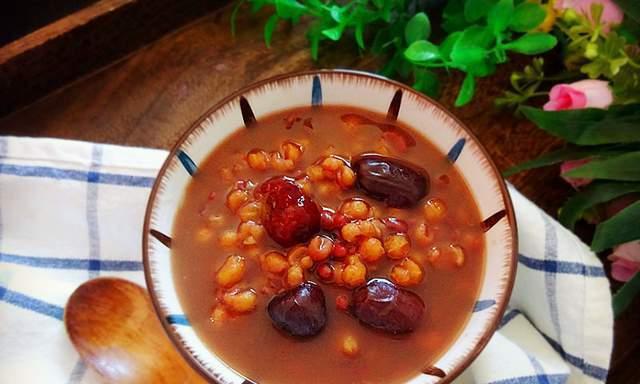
x: 269, y: 27
x: 626, y: 85
x: 621, y: 228
x: 468, y: 56
x: 471, y: 48
x: 466, y: 91
x: 359, y: 35
x: 595, y: 193
x: 500, y: 15
x: 625, y: 295
x: 447, y: 45
x: 590, y: 126
x: 625, y: 167
x: 533, y: 43
x: 474, y: 10
x: 314, y: 36
x: 527, y: 16
x: 257, y: 5
x: 483, y: 68
x: 570, y: 153
x: 422, y: 51
x: 418, y: 28
x: 426, y: 82
x: 289, y: 9
x: 334, y: 33
x: 476, y: 35
x: 337, y: 13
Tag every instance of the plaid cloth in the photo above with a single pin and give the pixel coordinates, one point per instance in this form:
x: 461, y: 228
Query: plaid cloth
x: 71, y: 211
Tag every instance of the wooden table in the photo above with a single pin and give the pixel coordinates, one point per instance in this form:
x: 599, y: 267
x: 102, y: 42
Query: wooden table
x: 153, y: 95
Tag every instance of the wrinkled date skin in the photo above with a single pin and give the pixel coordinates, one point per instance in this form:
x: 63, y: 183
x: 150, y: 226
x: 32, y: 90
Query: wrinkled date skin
x: 291, y: 216
x: 382, y: 305
x: 396, y: 182
x: 300, y: 311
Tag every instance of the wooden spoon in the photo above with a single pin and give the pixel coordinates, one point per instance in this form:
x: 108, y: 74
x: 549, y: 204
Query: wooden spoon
x: 113, y: 327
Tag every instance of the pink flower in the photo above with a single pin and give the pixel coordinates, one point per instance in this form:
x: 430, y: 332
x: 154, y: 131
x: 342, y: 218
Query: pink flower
x: 569, y: 165
x: 611, y: 13
x: 581, y: 94
x: 626, y: 260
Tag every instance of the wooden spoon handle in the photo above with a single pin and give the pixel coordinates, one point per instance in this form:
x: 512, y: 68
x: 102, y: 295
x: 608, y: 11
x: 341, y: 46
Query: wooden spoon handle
x: 113, y: 327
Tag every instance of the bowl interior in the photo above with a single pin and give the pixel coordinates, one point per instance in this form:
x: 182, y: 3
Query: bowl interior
x: 348, y: 89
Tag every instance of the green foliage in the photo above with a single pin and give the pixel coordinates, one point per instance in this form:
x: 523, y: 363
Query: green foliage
x: 626, y: 83
x: 611, y: 140
x: 621, y: 228
x: 526, y: 16
x: 590, y: 126
x: 588, y: 50
x: 625, y: 296
x: 481, y: 32
x: 622, y: 167
x: 533, y: 43
x: 480, y: 35
x: 595, y: 193
x: 418, y: 28
x: 569, y: 153
x: 608, y: 138
x: 525, y: 84
x: 609, y: 58
x: 466, y: 91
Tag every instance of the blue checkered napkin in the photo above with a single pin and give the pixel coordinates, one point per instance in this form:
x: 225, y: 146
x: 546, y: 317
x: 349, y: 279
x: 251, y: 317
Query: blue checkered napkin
x: 70, y: 211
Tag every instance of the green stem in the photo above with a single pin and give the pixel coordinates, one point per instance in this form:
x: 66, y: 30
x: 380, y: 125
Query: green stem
x: 625, y: 295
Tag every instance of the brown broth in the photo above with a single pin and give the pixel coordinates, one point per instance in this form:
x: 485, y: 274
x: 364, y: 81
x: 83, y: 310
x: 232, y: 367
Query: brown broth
x: 249, y: 343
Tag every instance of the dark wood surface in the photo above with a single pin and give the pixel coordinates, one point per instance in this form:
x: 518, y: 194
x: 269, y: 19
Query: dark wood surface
x: 152, y: 96
x: 19, y: 18
x: 88, y: 39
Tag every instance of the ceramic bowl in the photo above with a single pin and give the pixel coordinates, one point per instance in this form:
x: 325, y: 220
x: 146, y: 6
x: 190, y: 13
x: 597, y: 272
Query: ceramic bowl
x: 347, y: 88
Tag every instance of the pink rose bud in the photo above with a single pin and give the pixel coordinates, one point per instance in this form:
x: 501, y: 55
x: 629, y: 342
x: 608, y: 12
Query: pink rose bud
x: 626, y: 260
x: 611, y: 13
x: 578, y: 95
x: 568, y: 165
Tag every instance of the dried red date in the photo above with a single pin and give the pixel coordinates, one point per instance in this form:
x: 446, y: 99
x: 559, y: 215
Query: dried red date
x: 300, y: 311
x: 291, y: 216
x: 382, y: 305
x: 396, y: 182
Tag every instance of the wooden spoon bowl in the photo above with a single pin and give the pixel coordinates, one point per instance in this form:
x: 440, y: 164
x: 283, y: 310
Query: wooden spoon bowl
x: 113, y: 327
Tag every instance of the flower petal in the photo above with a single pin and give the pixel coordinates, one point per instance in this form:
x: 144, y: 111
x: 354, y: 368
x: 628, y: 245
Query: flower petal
x: 623, y: 270
x: 597, y: 92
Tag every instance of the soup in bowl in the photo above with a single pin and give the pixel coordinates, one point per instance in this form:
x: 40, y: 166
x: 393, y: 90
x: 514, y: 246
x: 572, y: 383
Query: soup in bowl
x: 329, y: 227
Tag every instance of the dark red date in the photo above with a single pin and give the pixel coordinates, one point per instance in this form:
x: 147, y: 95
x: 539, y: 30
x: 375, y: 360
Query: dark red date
x: 382, y: 305
x: 396, y: 182
x: 291, y: 216
x: 300, y: 311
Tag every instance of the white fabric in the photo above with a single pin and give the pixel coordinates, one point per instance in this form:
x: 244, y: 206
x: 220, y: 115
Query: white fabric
x: 70, y: 211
